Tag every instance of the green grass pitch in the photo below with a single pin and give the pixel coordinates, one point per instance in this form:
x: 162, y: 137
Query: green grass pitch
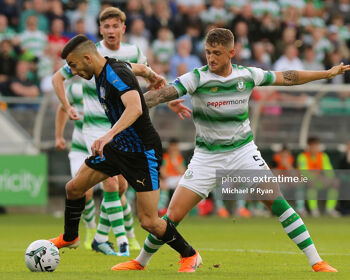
x: 231, y: 249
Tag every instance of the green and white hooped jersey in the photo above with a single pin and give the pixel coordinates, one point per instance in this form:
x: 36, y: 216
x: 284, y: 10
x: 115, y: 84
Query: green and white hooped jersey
x: 220, y: 105
x: 74, y: 94
x: 94, y: 115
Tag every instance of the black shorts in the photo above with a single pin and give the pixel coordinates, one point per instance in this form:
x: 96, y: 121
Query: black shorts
x: 141, y: 170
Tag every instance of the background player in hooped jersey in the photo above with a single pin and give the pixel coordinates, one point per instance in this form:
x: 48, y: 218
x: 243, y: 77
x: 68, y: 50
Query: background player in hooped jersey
x: 77, y: 155
x: 131, y: 147
x: 96, y: 124
x: 219, y: 95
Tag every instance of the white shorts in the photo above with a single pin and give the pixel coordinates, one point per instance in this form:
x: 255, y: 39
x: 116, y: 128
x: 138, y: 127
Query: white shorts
x: 200, y: 176
x: 172, y: 181
x: 76, y: 159
x: 91, y: 135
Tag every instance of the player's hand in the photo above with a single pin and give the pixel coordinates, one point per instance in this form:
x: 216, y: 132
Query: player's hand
x: 72, y: 114
x: 60, y: 143
x: 156, y: 81
x: 98, y: 145
x: 337, y: 70
x: 178, y: 108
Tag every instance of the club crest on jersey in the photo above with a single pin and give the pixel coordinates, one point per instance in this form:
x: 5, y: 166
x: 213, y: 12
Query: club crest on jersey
x: 102, y: 93
x: 241, y: 85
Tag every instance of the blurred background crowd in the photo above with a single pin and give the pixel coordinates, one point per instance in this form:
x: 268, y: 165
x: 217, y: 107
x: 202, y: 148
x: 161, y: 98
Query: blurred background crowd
x: 278, y: 35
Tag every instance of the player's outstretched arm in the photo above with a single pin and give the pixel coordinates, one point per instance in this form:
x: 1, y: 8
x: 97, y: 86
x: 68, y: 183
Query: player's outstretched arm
x: 155, y: 81
x: 156, y: 96
x: 58, y: 85
x: 133, y: 110
x: 61, y: 120
x: 294, y: 77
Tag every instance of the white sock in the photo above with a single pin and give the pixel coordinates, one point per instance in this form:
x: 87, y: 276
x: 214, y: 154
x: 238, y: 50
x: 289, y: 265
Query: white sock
x: 312, y: 254
x: 143, y: 258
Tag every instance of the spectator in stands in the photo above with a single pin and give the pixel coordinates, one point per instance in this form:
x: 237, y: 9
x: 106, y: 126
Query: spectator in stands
x: 320, y: 178
x: 262, y: 7
x: 55, y: 10
x: 183, y: 55
x: 136, y: 9
x: 38, y: 9
x: 261, y: 58
x: 291, y: 4
x: 139, y: 35
x: 268, y: 29
x: 6, y: 32
x: 235, y: 6
x: 247, y: 16
x: 56, y: 39
x: 161, y: 17
x: 333, y: 58
x: 310, y: 62
x: 193, y: 32
x: 82, y: 13
x: 320, y: 43
x: 190, y: 7
x: 80, y: 28
x: 289, y: 36
x: 241, y: 36
x: 32, y: 39
x: 217, y: 14
x: 289, y: 61
x: 163, y: 48
x: 337, y: 42
x: 8, y: 63
x: 21, y: 86
x: 238, y: 57
x: 310, y: 19
x: 172, y: 169
x: 11, y: 9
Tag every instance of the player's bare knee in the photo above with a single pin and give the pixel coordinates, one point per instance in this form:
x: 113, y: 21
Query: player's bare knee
x: 73, y: 191
x: 174, y: 215
x: 148, y: 223
x: 110, y: 185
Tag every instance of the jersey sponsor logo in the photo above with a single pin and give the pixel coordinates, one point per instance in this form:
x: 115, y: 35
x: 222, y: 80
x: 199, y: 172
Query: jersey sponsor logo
x: 218, y: 104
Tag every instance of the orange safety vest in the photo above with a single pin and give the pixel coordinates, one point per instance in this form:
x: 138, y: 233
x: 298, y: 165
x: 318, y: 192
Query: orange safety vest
x: 169, y: 167
x: 314, y: 163
x: 278, y: 159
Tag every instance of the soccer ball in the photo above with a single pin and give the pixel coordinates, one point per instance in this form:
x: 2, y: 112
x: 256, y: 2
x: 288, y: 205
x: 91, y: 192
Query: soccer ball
x: 42, y: 255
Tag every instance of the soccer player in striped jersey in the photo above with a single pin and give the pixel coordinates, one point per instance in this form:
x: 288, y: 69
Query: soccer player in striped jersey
x: 77, y: 154
x: 219, y: 94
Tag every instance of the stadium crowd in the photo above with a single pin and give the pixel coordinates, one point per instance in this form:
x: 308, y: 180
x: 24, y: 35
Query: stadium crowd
x: 276, y: 35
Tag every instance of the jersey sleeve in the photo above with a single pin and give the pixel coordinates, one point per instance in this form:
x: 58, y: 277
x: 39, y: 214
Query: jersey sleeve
x: 262, y: 77
x: 186, y: 83
x: 66, y: 72
x: 122, y: 78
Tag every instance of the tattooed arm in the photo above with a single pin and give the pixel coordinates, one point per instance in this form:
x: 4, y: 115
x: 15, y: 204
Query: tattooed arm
x: 294, y: 77
x: 154, y: 97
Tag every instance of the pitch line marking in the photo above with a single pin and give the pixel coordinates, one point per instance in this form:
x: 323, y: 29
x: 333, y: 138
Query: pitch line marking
x: 268, y: 252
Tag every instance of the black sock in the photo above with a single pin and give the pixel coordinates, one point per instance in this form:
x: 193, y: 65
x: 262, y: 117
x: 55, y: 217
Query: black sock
x: 72, y: 215
x: 174, y: 239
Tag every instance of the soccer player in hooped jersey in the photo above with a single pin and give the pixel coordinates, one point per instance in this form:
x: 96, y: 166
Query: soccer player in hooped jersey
x: 132, y: 147
x: 219, y: 94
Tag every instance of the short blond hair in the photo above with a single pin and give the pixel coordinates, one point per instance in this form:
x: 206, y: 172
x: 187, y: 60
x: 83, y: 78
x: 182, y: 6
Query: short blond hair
x: 112, y: 12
